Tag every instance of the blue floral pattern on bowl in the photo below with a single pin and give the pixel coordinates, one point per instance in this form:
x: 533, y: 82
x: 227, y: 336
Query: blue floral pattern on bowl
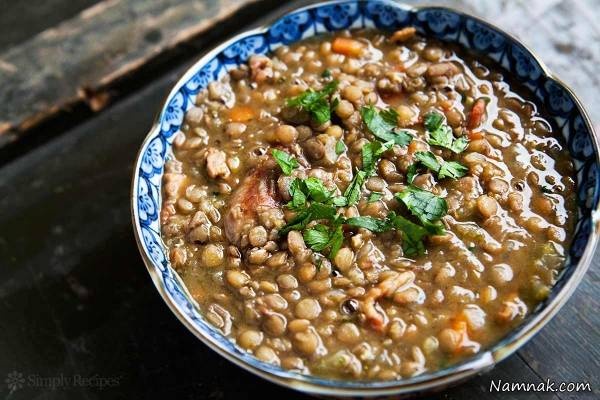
x: 441, y: 23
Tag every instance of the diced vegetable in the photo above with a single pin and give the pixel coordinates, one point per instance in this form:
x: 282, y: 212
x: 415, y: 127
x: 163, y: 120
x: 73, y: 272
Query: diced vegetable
x: 348, y: 47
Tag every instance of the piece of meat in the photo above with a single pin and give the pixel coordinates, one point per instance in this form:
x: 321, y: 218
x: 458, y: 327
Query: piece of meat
x: 376, y: 317
x: 216, y: 163
x: 445, y: 68
x: 256, y: 194
x: 261, y: 68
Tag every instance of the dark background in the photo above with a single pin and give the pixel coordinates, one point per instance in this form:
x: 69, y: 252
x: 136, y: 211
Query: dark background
x: 75, y: 297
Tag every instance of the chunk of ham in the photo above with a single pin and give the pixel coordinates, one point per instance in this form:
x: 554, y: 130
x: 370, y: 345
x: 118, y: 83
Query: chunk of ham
x: 256, y: 194
x: 375, y: 316
x: 261, y: 68
x: 445, y: 68
x: 216, y: 164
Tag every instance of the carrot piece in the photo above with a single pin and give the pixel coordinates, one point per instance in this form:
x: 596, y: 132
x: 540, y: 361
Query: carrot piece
x: 399, y: 68
x: 413, y: 147
x: 241, y: 114
x: 475, y: 135
x: 476, y: 114
x: 347, y: 46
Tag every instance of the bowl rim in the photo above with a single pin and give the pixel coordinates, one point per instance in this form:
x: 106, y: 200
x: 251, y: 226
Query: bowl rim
x: 455, y: 373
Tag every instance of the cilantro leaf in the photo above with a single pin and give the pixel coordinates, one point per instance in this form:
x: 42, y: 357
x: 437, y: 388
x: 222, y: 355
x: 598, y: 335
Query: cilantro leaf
x: 371, y: 152
x: 459, y: 145
x: 383, y: 125
x: 452, y: 169
x: 370, y: 223
x: 321, y: 237
x: 316, y: 102
x: 286, y: 162
x: 339, y: 201
x: 317, y: 189
x: 433, y: 121
x: 317, y: 237
x: 442, y: 137
x: 429, y: 160
x: 335, y: 241
x: 340, y: 147
x: 411, y: 172
x: 315, y: 211
x: 326, y: 73
x: 374, y: 196
x: 444, y: 169
x: 412, y: 234
x: 297, y: 194
x: 441, y: 134
x: 424, y: 205
x: 353, y: 191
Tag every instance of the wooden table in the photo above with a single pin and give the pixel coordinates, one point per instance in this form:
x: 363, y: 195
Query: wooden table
x: 75, y: 299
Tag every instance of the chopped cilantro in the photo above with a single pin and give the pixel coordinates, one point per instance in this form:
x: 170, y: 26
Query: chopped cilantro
x: 444, y: 169
x: 441, y: 134
x: 316, y: 102
x: 316, y: 211
x: 429, y: 160
x: 340, y: 147
x: 321, y: 237
x: 371, y: 152
x: 317, y: 237
x: 375, y: 196
x: 353, y: 191
x: 452, y: 169
x: 412, y: 234
x: 433, y: 121
x: 286, y: 162
x: 326, y: 73
x: 297, y: 194
x: 411, y: 172
x: 370, y: 223
x: 383, y: 125
x: 317, y: 189
x: 424, y: 205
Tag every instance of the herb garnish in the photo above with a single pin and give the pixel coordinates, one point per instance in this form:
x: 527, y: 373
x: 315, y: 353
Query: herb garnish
x: 316, y: 102
x: 426, y: 206
x: 441, y: 134
x: 286, y: 162
x: 321, y: 237
x: 412, y: 234
x: 383, y: 125
x: 444, y: 169
x: 374, y: 196
x: 340, y: 147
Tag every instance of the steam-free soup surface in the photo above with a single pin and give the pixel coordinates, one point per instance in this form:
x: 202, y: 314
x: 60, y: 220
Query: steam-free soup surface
x: 367, y: 205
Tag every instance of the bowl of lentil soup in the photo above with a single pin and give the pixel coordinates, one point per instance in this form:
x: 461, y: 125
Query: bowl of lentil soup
x: 365, y: 198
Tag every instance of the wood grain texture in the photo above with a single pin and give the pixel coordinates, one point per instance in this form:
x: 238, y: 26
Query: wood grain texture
x: 21, y: 20
x: 79, y: 59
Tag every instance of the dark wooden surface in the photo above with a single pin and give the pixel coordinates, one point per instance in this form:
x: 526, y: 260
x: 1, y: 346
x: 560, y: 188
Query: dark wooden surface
x: 76, y: 300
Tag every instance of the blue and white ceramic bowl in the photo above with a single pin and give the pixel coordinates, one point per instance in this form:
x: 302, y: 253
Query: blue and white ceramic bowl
x: 442, y: 23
